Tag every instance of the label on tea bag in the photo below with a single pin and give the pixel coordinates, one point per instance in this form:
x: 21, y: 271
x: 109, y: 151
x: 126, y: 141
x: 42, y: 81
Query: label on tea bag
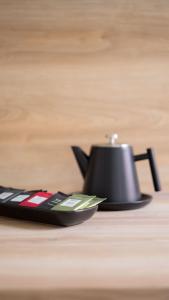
x: 20, y: 198
x: 5, y: 195
x: 70, y: 202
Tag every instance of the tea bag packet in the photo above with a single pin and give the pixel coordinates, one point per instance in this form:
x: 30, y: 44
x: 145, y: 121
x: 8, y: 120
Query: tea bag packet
x: 53, y: 200
x: 6, y: 194
x: 95, y: 202
x: 73, y: 202
x: 36, y: 199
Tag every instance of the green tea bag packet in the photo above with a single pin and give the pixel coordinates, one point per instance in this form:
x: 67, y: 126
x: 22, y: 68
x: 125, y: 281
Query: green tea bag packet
x: 92, y: 202
x: 74, y: 202
x: 95, y: 201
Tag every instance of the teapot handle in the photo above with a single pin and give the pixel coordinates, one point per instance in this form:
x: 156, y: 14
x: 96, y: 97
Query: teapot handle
x: 153, y: 166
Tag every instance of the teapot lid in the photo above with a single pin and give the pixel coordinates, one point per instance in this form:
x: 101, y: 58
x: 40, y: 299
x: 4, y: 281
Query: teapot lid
x: 112, y: 141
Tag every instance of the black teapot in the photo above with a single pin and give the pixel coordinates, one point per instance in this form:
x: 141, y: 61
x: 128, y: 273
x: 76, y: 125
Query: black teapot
x: 109, y: 171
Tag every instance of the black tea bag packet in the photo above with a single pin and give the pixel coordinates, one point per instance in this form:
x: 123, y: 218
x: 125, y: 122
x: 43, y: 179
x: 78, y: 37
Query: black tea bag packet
x: 53, y: 200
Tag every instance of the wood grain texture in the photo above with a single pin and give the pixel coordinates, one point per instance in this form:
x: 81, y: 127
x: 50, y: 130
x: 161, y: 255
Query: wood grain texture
x: 71, y: 71
x: 115, y: 255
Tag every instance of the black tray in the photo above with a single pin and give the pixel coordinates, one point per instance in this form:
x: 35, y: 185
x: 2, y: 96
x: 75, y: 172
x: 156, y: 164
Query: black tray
x: 110, y: 206
x: 68, y: 218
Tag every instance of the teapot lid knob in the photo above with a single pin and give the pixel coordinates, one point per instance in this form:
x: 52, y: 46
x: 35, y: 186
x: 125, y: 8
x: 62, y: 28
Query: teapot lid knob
x: 112, y: 138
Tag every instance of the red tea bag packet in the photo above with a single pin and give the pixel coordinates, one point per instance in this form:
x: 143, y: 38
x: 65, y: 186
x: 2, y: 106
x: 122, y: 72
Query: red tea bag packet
x: 36, y: 199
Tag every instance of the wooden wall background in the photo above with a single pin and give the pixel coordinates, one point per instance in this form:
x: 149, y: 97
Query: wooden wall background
x: 71, y: 71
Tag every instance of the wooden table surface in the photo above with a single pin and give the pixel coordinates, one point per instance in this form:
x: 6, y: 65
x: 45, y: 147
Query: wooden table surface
x: 122, y: 255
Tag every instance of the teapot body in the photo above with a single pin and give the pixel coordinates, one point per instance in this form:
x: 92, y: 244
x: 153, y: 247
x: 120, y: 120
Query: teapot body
x: 112, y: 174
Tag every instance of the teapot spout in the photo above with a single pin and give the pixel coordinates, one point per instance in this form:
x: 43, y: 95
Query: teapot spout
x: 82, y: 159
